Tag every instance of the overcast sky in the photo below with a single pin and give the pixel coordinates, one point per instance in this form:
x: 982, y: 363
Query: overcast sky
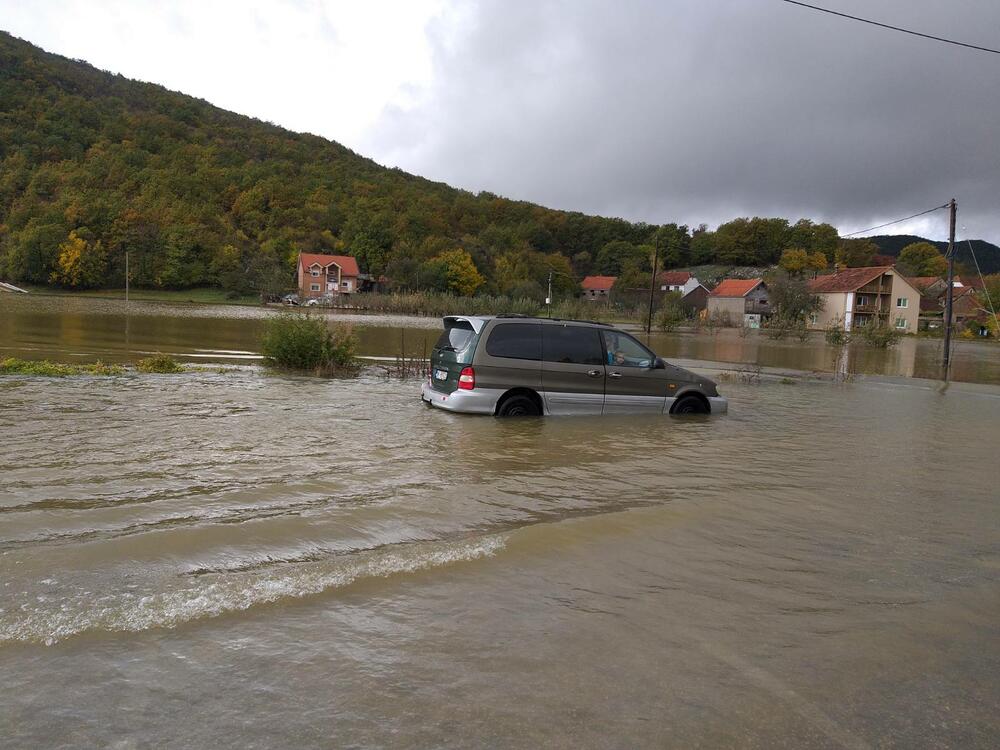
x: 671, y: 110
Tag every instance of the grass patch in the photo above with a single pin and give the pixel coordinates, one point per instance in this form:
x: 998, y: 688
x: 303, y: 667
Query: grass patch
x: 201, y: 295
x: 44, y: 368
x: 161, y: 363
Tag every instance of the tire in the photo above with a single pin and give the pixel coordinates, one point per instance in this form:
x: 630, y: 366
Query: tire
x: 519, y: 406
x: 689, y: 405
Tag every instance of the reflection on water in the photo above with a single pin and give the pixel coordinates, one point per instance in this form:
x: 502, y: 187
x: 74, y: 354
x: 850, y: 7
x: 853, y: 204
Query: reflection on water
x: 75, y: 328
x: 236, y: 560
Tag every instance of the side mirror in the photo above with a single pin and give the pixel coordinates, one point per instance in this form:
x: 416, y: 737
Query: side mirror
x: 659, y: 364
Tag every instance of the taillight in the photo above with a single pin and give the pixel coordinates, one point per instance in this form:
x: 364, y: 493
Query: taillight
x: 467, y: 379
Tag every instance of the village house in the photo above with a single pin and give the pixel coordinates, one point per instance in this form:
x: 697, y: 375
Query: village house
x: 597, y: 287
x: 740, y: 302
x: 696, y: 299
x: 677, y: 281
x: 866, y: 296
x: 321, y: 275
x: 966, y: 307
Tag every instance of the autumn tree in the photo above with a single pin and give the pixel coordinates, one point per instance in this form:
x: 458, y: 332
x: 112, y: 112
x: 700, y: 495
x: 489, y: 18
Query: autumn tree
x: 453, y: 271
x: 921, y: 259
x: 794, y: 260
x: 81, y: 263
x: 817, y: 261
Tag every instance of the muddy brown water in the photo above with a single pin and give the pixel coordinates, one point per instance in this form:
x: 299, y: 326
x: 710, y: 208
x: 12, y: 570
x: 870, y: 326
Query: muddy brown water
x: 245, y: 560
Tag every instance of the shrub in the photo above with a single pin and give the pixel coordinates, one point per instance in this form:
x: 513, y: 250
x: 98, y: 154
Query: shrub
x: 672, y: 314
x: 303, y: 342
x: 836, y: 335
x: 161, y: 363
x: 880, y: 336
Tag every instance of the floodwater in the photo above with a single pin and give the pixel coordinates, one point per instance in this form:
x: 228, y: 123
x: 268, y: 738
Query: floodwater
x: 242, y: 560
x: 85, y: 329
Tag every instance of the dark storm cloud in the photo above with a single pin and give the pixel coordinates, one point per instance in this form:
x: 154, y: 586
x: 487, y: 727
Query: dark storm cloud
x: 701, y: 111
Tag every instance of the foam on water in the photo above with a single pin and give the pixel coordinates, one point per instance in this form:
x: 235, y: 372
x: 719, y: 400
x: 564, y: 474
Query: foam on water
x: 50, y: 619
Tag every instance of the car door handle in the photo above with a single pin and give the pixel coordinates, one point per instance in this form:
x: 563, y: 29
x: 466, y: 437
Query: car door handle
x: 593, y: 373
x: 614, y: 374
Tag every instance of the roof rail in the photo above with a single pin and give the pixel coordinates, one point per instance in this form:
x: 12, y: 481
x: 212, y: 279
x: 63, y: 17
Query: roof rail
x: 561, y: 320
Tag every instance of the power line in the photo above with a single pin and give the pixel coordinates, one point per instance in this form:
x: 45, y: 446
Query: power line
x: 894, y: 28
x: 897, y: 221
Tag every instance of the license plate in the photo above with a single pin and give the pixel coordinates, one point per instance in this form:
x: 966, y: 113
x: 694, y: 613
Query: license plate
x: 441, y: 374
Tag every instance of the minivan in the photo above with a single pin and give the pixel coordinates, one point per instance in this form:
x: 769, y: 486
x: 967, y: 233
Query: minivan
x: 512, y: 365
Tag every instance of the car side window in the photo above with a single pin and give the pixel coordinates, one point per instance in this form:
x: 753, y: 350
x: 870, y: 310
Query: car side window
x: 624, y: 351
x: 516, y: 341
x: 572, y: 345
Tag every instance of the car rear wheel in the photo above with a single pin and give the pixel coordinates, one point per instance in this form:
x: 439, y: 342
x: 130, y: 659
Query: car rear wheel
x: 689, y: 405
x: 519, y: 406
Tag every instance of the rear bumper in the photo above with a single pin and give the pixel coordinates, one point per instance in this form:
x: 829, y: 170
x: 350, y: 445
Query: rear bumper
x: 718, y: 404
x: 476, y: 401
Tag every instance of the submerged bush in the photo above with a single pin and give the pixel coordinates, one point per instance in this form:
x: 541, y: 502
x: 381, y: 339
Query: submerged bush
x: 879, y: 336
x: 304, y: 342
x: 161, y: 363
x: 836, y: 335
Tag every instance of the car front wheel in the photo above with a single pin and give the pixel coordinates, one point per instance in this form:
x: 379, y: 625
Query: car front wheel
x: 689, y: 405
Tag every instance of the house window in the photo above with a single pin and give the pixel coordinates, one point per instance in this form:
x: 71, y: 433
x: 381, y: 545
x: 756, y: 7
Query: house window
x: 900, y: 322
x: 346, y: 284
x: 314, y: 272
x: 862, y: 300
x: 314, y: 287
x: 902, y: 302
x: 814, y: 318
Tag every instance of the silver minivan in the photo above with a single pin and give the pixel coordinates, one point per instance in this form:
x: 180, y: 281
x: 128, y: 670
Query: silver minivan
x: 509, y: 365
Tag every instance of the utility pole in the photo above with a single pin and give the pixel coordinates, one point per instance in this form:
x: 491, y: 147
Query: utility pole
x: 953, y: 210
x: 652, y: 286
x: 548, y: 299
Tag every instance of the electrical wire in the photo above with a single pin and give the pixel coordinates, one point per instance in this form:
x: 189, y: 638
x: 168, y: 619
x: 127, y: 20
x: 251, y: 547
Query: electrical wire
x: 983, y: 280
x: 897, y: 221
x: 893, y: 28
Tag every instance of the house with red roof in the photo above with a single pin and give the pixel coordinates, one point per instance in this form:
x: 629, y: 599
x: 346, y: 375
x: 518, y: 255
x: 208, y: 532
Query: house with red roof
x: 327, y: 274
x: 739, y: 302
x: 597, y: 287
x: 874, y: 295
x: 677, y: 281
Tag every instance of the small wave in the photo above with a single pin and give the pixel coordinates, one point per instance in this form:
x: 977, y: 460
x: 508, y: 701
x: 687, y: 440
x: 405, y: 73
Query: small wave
x: 215, y: 595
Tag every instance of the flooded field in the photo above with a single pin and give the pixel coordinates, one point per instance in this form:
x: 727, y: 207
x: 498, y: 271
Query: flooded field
x: 242, y: 560
x: 76, y: 328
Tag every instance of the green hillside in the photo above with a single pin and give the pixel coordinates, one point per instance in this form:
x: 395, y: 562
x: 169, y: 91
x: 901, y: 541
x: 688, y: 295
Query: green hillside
x: 198, y: 195
x: 94, y: 167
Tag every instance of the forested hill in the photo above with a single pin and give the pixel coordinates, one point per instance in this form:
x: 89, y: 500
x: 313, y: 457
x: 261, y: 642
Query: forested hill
x: 198, y: 195
x: 94, y: 166
x: 987, y: 253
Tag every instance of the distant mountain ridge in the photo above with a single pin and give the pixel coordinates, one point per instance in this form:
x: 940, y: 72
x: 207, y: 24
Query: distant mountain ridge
x: 987, y: 253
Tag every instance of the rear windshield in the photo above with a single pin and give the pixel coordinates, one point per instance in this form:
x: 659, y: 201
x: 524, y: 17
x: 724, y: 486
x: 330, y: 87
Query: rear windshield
x: 456, y: 337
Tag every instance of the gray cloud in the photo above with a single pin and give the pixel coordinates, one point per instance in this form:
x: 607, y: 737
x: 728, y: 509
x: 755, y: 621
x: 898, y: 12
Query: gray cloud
x: 701, y: 111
